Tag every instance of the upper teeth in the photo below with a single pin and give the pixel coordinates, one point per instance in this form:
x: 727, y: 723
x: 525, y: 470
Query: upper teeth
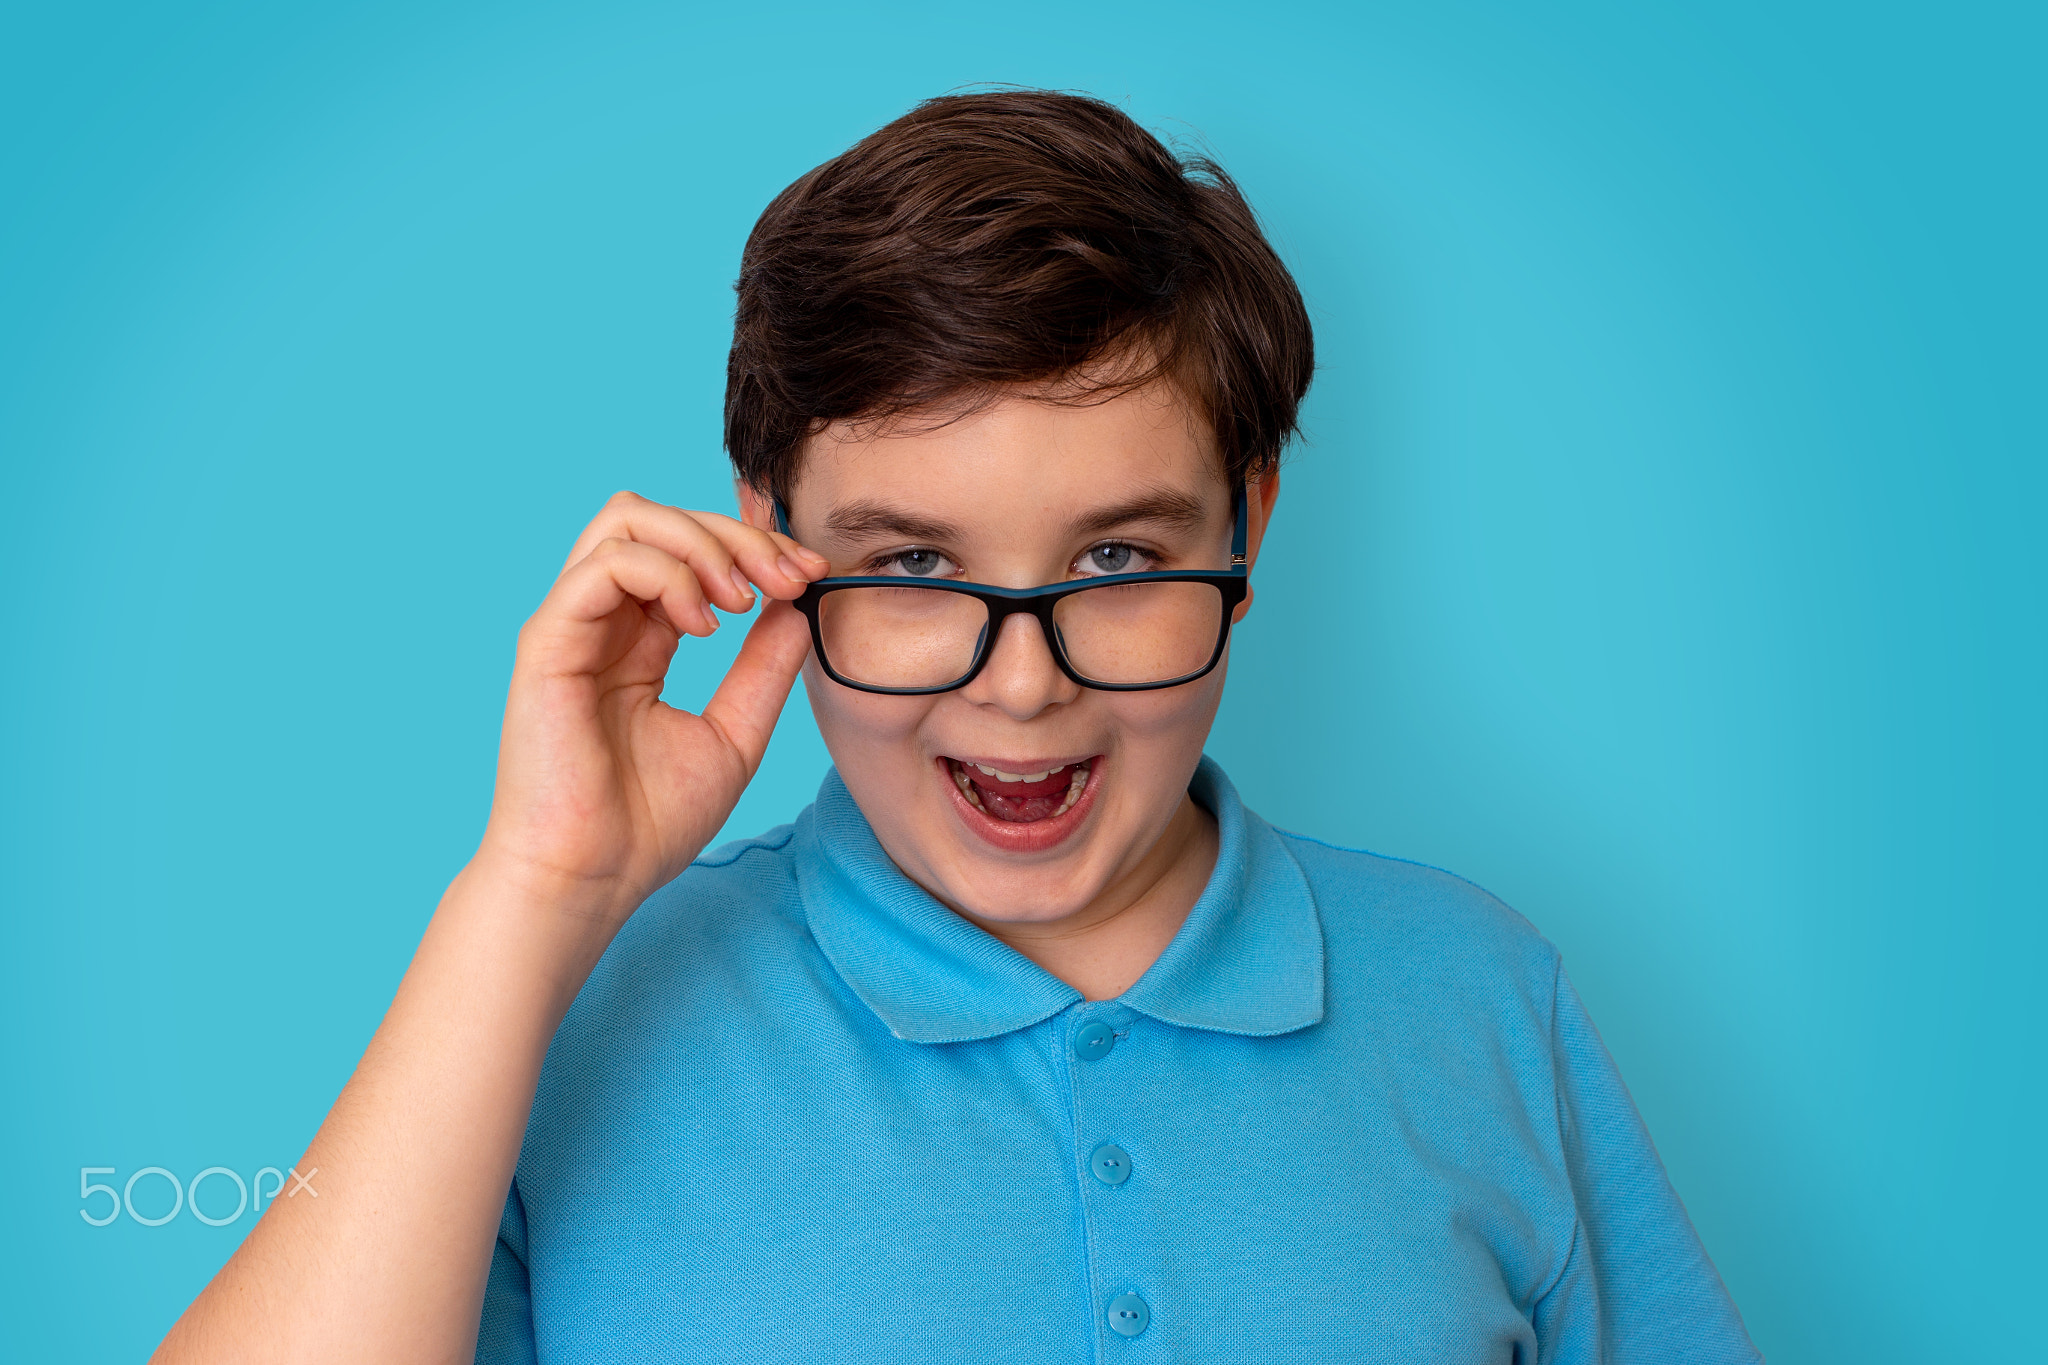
x: 999, y: 775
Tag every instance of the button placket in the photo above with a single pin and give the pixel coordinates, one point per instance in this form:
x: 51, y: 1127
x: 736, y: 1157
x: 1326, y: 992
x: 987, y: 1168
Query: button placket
x: 1100, y: 1069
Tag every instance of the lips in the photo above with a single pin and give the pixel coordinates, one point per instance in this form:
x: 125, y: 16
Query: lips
x: 1022, y: 811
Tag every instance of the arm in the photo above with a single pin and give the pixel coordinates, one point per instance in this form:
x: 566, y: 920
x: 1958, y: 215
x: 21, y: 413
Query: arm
x: 604, y: 793
x: 1637, y: 1285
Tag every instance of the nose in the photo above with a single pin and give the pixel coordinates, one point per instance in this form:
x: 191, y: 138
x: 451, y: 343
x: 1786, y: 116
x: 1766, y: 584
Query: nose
x: 1021, y: 678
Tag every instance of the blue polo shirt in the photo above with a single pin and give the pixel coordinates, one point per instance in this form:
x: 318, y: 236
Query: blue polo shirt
x: 1355, y: 1112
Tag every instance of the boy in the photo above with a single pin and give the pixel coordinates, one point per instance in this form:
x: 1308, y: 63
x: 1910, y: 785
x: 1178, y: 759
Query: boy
x: 1027, y: 1041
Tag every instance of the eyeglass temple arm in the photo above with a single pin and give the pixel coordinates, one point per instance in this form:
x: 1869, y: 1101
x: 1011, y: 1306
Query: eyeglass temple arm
x: 1237, y: 533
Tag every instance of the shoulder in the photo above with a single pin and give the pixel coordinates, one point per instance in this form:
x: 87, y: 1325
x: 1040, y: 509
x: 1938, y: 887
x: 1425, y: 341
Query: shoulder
x: 731, y: 912
x: 757, y: 873
x: 1404, y: 924
x: 752, y: 876
x: 678, y: 1001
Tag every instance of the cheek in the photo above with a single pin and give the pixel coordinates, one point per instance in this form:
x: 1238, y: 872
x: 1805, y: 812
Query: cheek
x: 860, y: 727
x: 1171, y: 720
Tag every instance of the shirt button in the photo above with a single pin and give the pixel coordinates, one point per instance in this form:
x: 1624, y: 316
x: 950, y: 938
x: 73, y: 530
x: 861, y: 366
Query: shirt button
x: 1111, y: 1164
x: 1092, y: 1042
x: 1128, y: 1315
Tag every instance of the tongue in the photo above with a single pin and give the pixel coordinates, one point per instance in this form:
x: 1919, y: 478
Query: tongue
x: 1020, y: 802
x: 1055, y: 784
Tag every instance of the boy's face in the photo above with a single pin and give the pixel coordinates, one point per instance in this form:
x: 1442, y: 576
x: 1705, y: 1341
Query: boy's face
x: 1020, y: 494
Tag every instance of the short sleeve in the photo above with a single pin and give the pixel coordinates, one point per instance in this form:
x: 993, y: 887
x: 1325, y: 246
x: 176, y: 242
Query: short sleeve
x: 505, y: 1336
x: 1637, y: 1286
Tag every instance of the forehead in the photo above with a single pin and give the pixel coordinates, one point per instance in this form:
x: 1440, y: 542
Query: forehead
x: 1018, y: 453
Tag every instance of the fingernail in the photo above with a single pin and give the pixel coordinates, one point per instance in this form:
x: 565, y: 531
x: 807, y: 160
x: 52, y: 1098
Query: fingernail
x: 739, y: 580
x: 816, y: 558
x: 710, y: 616
x: 790, y: 569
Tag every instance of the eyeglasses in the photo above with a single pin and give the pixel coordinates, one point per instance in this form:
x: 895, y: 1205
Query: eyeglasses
x: 1128, y: 632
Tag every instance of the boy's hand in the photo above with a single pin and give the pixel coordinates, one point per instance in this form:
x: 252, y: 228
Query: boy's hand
x: 605, y: 792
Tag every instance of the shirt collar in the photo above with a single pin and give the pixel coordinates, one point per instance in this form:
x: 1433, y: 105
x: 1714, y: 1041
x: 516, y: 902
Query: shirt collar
x: 1248, y: 960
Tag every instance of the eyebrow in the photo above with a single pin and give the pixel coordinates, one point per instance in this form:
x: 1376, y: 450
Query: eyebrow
x: 867, y: 520
x: 1167, y: 507
x: 871, y: 520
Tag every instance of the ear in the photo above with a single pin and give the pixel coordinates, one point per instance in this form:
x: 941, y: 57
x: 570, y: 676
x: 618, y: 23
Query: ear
x: 1262, y: 495
x: 757, y: 509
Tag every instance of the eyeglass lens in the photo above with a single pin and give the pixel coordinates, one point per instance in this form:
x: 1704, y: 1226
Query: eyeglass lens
x: 1125, y: 633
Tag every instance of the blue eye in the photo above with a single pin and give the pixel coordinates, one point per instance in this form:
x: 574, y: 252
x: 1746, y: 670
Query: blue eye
x: 1109, y: 558
x: 920, y: 562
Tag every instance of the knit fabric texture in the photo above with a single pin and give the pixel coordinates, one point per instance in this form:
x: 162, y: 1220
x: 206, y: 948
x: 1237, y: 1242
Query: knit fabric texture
x: 802, y: 1112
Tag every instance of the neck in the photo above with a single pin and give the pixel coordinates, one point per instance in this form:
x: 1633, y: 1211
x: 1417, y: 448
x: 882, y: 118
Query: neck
x: 1102, y: 949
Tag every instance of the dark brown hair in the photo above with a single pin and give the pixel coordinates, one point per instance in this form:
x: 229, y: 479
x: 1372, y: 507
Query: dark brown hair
x: 1018, y: 237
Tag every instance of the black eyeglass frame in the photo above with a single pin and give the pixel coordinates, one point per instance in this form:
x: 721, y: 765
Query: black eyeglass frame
x: 1234, y: 584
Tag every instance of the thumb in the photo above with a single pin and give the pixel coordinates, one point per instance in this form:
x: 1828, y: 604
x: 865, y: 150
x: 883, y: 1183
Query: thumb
x: 748, y: 701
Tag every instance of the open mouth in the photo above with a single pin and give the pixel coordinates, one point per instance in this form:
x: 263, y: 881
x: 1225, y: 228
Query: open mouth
x: 1023, y: 810
x: 1020, y: 798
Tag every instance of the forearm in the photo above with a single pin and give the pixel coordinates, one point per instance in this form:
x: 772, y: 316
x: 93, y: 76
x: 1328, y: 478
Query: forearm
x: 388, y: 1261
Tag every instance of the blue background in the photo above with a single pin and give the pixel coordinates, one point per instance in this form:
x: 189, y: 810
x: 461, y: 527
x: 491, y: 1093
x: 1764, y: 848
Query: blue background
x: 1666, y: 554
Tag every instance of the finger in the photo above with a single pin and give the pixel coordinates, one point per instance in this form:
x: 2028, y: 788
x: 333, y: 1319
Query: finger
x: 629, y: 517
x: 782, y: 567
x: 712, y: 545
x: 750, y: 699
x: 616, y: 571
